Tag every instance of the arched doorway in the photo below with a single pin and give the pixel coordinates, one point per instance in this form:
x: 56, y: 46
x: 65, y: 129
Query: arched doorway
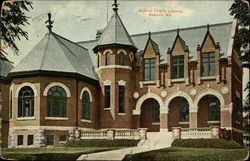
x: 208, y: 111
x: 178, y: 114
x: 150, y: 115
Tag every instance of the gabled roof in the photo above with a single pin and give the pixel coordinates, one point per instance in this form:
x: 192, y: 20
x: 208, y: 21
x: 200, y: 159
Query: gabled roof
x: 5, y: 66
x: 57, y: 54
x: 183, y: 43
x: 192, y: 35
x: 115, y: 33
x: 154, y: 45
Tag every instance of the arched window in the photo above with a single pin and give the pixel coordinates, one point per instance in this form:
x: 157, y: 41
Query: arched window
x: 10, y: 109
x: 85, y: 106
x: 107, y: 58
x: 213, y: 108
x: 26, y: 102
x: 184, y: 108
x: 121, y: 58
x: 56, y: 102
x: 156, y: 112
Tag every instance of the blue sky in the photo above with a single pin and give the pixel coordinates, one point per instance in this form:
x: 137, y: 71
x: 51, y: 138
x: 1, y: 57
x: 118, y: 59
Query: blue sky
x: 79, y: 20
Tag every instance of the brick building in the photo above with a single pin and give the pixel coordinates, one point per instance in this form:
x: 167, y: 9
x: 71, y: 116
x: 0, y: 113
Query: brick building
x: 187, y: 81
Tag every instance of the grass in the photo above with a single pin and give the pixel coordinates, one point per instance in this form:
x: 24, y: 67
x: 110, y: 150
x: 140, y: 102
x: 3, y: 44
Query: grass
x: 189, y: 154
x: 52, y: 153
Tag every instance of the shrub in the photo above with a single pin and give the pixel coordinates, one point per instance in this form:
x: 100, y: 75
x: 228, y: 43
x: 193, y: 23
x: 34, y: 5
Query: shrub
x: 206, y: 143
x: 102, y: 143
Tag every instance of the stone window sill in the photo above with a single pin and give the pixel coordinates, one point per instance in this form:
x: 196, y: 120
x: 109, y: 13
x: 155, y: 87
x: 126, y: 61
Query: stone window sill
x: 208, y: 77
x: 122, y: 114
x: 56, y: 118
x: 62, y: 142
x: 155, y: 123
x: 26, y: 118
x: 178, y: 80
x: 183, y: 122
x: 237, y: 122
x: 149, y: 82
x: 83, y: 120
x: 212, y: 122
x: 107, y: 108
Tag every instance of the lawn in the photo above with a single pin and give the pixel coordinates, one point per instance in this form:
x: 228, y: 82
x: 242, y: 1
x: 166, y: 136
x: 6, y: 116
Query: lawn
x: 189, y: 154
x: 52, y: 153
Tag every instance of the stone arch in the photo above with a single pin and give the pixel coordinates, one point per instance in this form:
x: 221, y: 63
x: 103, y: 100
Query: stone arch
x: 106, y: 51
x: 121, y: 50
x: 145, y: 97
x: 175, y: 94
x: 32, y: 86
x: 209, y: 91
x: 45, y: 92
x: 87, y: 90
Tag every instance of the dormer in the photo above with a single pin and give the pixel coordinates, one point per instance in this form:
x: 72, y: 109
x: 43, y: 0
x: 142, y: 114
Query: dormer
x: 208, y: 58
x: 178, y: 56
x: 151, y: 61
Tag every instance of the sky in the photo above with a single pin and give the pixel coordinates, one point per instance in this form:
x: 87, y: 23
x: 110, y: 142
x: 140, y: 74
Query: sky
x: 79, y: 20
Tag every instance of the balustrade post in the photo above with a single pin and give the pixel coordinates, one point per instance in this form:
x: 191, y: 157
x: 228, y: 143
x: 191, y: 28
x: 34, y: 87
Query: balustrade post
x: 176, y: 132
x: 77, y: 134
x: 143, y: 133
x: 111, y: 134
x: 215, y: 132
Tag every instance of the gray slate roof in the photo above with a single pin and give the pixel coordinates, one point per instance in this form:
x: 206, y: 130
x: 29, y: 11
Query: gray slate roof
x: 165, y: 39
x: 5, y: 66
x: 115, y: 33
x: 55, y: 53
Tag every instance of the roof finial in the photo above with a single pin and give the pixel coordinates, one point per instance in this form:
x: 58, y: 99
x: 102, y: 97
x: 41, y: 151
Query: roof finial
x: 115, y: 6
x: 149, y: 34
x: 49, y: 22
x: 208, y: 26
x: 178, y: 31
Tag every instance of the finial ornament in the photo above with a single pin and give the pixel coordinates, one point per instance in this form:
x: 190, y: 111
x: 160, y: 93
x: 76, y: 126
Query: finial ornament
x: 208, y: 26
x: 149, y: 34
x: 178, y: 31
x: 115, y: 6
x: 50, y: 22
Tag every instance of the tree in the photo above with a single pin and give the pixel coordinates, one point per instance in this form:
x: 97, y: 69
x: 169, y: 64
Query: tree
x: 241, y: 11
x: 12, y: 20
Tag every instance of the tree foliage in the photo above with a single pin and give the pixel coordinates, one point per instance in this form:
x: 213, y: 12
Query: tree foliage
x: 13, y: 19
x: 240, y: 11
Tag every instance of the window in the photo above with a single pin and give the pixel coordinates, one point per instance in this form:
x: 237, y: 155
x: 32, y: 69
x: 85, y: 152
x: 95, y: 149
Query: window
x: 156, y: 112
x: 207, y: 64
x: 62, y: 138
x: 149, y: 69
x: 178, y: 66
x: 85, y: 106
x: 56, y: 102
x: 50, y: 139
x: 20, y: 140
x: 26, y: 102
x: 121, y: 99
x: 213, y: 108
x: 238, y: 109
x: 107, y: 96
x: 121, y: 58
x: 10, y: 105
x: 30, y: 139
x: 98, y: 60
x: 184, y: 109
x: 107, y: 58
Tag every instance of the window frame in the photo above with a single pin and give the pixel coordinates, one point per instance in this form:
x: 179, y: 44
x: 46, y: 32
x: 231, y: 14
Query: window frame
x: 121, y: 108
x: 47, y: 140
x: 30, y: 141
x: 177, y: 62
x: 107, y: 96
x: 183, y: 106
x: 19, y: 142
x: 107, y: 58
x: 22, y: 99
x: 238, y: 114
x: 206, y: 60
x: 211, y: 109
x: 155, y: 112
x: 149, y: 67
x: 86, y: 106
x: 121, y: 58
x: 10, y: 108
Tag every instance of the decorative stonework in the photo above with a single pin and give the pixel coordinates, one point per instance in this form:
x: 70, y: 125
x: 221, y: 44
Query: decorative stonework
x: 71, y: 135
x: 198, y: 80
x: 110, y: 135
x: 136, y: 95
x: 141, y: 84
x: 169, y: 82
x: 12, y: 139
x: 39, y: 139
x: 224, y: 90
x: 45, y: 92
x: 193, y: 91
x: 107, y: 82
x: 187, y: 81
x: 164, y: 93
x: 131, y: 56
x: 26, y: 84
x: 143, y: 133
x: 108, y: 50
x: 214, y: 132
x: 78, y: 134
x: 89, y: 92
x: 121, y: 83
x: 121, y: 50
x: 176, y: 133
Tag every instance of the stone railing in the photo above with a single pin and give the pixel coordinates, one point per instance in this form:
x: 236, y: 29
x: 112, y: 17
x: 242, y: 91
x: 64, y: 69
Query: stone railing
x: 127, y: 134
x: 196, y: 133
x: 95, y: 134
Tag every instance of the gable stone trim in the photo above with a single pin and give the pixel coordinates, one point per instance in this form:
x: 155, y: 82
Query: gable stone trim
x: 45, y: 92
x: 89, y: 92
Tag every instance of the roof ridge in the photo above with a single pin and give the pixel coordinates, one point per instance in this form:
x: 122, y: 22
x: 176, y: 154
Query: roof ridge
x: 45, y: 52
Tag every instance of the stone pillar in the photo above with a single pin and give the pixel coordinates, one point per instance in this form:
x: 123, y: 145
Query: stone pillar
x: 215, y: 132
x: 71, y: 135
x: 111, y: 135
x: 12, y: 139
x: 164, y: 122
x: 143, y: 133
x: 136, y: 116
x: 39, y: 138
x: 226, y: 115
x: 193, y: 116
x: 176, y: 133
x: 78, y: 134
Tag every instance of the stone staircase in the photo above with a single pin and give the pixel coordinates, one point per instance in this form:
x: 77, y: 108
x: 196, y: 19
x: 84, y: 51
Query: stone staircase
x: 156, y: 140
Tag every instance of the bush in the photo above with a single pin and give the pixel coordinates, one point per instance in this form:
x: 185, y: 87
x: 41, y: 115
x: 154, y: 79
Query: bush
x: 102, y: 143
x: 206, y: 143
